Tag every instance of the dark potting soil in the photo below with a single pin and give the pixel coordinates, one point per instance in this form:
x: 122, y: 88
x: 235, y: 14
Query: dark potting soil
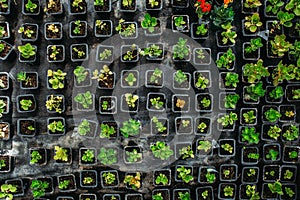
x: 105, y: 6
x: 6, y: 49
x: 24, y: 127
x: 59, y: 56
x: 183, y: 129
x: 31, y: 81
x: 42, y: 152
x: 271, y: 173
x: 6, y: 161
x: 53, y: 35
x: 55, y: 7
x: 82, y: 29
x: 85, y: 174
x: 31, y: 28
x: 80, y: 8
x: 105, y: 29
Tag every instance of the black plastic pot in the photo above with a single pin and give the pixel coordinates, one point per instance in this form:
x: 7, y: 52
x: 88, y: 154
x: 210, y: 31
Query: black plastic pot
x: 60, y: 56
x: 105, y: 28
x: 7, y: 51
x: 81, y: 47
x: 180, y: 103
x: 44, y: 156
x: 88, y: 179
x: 271, y: 173
x: 8, y: 163
x: 34, y: 35
x: 26, y: 127
x: 57, y: 132
x: 183, y: 125
x: 82, y: 152
x: 108, y: 105
x: 250, y: 174
x: 26, y: 97
x: 72, y: 185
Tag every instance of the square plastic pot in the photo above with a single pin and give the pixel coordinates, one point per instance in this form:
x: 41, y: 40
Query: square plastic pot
x: 22, y: 131
x: 52, y: 119
x: 186, y: 85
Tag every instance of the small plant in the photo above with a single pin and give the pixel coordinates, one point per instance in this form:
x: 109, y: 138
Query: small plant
x: 277, y: 92
x: 283, y: 72
x: 296, y: 94
x: 161, y: 179
x: 205, y: 102
x: 254, y: 45
x: 56, y: 126
x: 54, y: 102
x: 184, y: 196
x: 153, y: 3
x: 107, y: 156
x: 131, y: 100
x: 133, y: 156
x: 204, y: 145
x: 105, y: 54
x: 84, y: 127
x: 156, y: 75
x: 272, y: 115
x: 30, y: 6
x: 249, y: 117
x: 157, y: 103
x: 273, y: 154
x: 274, y: 132
x: 210, y: 177
x: 180, y: 103
x: 161, y: 150
x: 107, y: 131
x: 88, y: 156
x: 228, y: 191
x: 64, y: 184
x: 231, y: 79
x: 84, y: 99
x: 252, y: 23
x: 185, y: 174
x: 274, y: 6
x: 157, y: 197
x: 252, y: 3
x: 53, y: 28
x: 2, y: 164
x: 149, y: 23
x: 26, y: 104
x: 77, y: 29
x: 295, y: 51
x: 125, y: 29
x: 285, y: 18
x: 228, y: 35
x: 79, y: 53
x: 127, y: 3
x: 180, y: 77
x: 231, y: 100
x: 251, y: 192
x: 104, y: 105
x: 130, y: 54
x: 61, y: 154
x: 202, y: 82
x: 228, y: 119
x: 109, y: 178
x: 201, y: 127
x: 292, y: 133
x: 88, y: 180
x: 181, y: 50
x: 4, y: 5
x: 186, y: 152
x: 130, y: 79
x: 81, y: 74
x: 130, y: 128
x: 227, y: 147
x: 254, y: 156
x: 133, y: 181
x: 99, y: 3
x: 276, y: 187
x: 7, y: 191
x: 202, y: 30
x: 103, y: 75
x: 152, y: 51
x: 27, y: 32
x: 226, y: 60
x: 179, y: 22
x: 27, y: 50
x: 56, y: 78
x: 279, y: 46
x: 254, y: 91
x: 288, y: 174
x: 289, y: 192
x: 55, y: 51
x: 255, y: 71
x: 250, y: 135
x: 35, y: 157
x: 293, y: 5
x: 2, y: 47
x: 38, y: 188
x: 159, y: 125
x: 252, y: 172
x: 293, y: 154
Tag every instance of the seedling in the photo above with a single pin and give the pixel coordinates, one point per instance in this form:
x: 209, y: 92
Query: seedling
x: 283, y: 72
x: 133, y: 181
x: 202, y: 30
x: 289, y: 192
x: 184, y: 196
x: 186, y: 152
x: 61, y: 154
x: 64, y: 184
x: 88, y: 180
x: 274, y: 132
x: 228, y: 119
x: 205, y: 102
x: 157, y: 103
x: 80, y: 53
x: 84, y: 127
x: 109, y: 178
x: 231, y: 100
x: 55, y: 103
x: 53, y: 28
x: 296, y: 94
x: 56, y: 78
x: 272, y: 115
x: 2, y: 107
x: 27, y: 50
x: 107, y: 131
x: 27, y: 32
x: 185, y: 174
x: 180, y: 103
x: 250, y: 135
x: 201, y: 127
x: 133, y: 156
x: 84, y: 99
x: 159, y: 125
x: 288, y: 174
x: 81, y: 74
x: 161, y: 150
x: 210, y: 177
x: 105, y: 105
x: 156, y: 75
x: 255, y: 44
x: 179, y: 22
x: 127, y: 3
x: 88, y: 156
x: 252, y: 23
x: 227, y: 147
x: 99, y: 3
x: 231, y: 79
x: 131, y: 54
x: 276, y: 187
x: 7, y: 191
x: 204, y: 194
x: 103, y: 75
x: 293, y: 154
x: 157, y: 197
x: 2, y: 164
x: 249, y: 117
x: 149, y: 23
x: 2, y: 47
x: 35, y: 157
x: 204, y: 145
x: 30, y: 6
x: 130, y: 128
x: 55, y: 52
x: 251, y: 192
x: 292, y: 133
x: 56, y: 126
x: 107, y: 156
x: 126, y: 29
x: 202, y: 82
x: 161, y: 179
x: 228, y: 191
x: 38, y: 188
x: 254, y: 156
x: 77, y: 29
x: 279, y: 45
x: 276, y: 93
x: 105, y: 54
x: 130, y: 79
x: 252, y: 172
x: 181, y: 49
x: 152, y: 51
x: 26, y: 104
x: 226, y: 60
x: 180, y: 77
x: 273, y: 154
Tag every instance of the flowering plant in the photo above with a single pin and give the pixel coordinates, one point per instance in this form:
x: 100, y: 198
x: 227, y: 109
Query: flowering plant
x: 202, y: 8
